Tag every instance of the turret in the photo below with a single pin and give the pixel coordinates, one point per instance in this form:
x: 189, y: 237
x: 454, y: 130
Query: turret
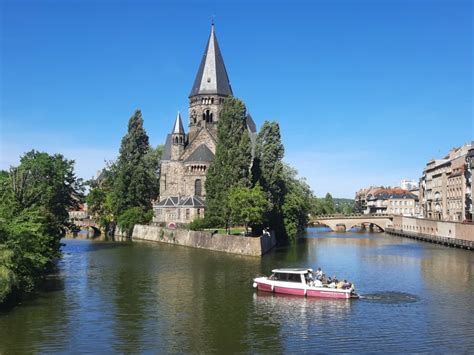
x: 178, y: 138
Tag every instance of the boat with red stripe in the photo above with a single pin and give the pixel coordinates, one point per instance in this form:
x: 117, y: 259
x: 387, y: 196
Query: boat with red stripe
x: 301, y: 282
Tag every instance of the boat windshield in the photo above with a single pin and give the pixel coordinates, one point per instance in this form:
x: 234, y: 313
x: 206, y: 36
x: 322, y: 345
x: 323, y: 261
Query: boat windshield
x: 280, y: 276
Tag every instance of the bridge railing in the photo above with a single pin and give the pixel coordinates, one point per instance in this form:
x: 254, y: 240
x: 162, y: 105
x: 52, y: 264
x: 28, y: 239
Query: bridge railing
x: 352, y: 215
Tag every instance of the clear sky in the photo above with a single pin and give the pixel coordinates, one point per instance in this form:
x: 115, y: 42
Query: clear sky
x: 366, y: 92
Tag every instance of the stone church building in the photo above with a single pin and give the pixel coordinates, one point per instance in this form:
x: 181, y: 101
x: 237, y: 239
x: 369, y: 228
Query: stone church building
x: 187, y: 156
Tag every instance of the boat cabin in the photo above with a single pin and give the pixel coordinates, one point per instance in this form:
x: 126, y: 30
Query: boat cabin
x: 290, y: 275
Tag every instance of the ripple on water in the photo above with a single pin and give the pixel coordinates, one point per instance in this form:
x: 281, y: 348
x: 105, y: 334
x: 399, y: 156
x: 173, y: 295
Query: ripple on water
x: 389, y: 297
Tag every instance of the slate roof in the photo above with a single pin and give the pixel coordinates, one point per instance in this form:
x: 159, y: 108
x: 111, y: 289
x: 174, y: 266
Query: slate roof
x: 166, y: 155
x: 385, y: 194
x: 178, y: 125
x: 187, y: 201
x: 202, y: 153
x: 211, y: 77
x: 251, y: 123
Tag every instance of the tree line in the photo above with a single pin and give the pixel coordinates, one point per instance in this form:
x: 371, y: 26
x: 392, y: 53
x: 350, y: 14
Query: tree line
x: 35, y: 198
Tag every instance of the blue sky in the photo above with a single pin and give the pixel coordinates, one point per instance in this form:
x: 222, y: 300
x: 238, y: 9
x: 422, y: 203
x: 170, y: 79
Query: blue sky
x: 366, y: 92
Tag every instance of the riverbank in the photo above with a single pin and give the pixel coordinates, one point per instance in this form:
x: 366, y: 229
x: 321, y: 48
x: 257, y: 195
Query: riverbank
x: 442, y: 232
x: 235, y: 244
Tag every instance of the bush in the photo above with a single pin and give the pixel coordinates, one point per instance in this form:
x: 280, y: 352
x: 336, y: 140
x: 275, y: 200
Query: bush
x: 135, y: 215
x: 198, y: 224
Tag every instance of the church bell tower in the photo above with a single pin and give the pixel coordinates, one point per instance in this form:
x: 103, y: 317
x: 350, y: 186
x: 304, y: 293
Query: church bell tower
x: 210, y: 88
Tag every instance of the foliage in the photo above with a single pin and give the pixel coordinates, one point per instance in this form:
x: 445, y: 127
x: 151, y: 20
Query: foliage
x: 233, y: 159
x: 132, y: 181
x: 34, y: 201
x: 344, y: 205
x: 198, y: 224
x: 134, y: 215
x: 136, y: 182
x: 247, y: 206
x: 297, y: 203
x: 328, y: 205
x: 267, y: 170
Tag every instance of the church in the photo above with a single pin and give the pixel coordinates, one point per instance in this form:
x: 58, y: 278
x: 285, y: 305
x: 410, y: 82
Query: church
x: 187, y: 156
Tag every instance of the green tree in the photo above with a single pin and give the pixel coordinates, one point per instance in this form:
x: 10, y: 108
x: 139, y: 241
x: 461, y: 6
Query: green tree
x: 130, y: 217
x: 329, y: 207
x: 297, y: 203
x: 232, y: 162
x: 267, y: 170
x: 247, y: 206
x: 34, y: 201
x: 136, y: 181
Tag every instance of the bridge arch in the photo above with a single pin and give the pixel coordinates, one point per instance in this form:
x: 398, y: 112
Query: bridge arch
x: 335, y: 222
x: 352, y: 225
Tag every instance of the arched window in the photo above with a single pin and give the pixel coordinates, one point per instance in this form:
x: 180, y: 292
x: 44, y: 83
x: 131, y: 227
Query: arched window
x: 198, y: 187
x: 207, y: 116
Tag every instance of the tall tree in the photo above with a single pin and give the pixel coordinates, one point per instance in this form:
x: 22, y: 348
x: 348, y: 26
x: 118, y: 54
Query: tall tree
x: 297, y: 203
x: 267, y: 170
x: 232, y: 162
x: 135, y: 184
x: 329, y: 204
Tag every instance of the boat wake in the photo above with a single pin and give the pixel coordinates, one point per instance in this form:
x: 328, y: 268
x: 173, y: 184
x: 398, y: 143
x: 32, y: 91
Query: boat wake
x: 389, y: 297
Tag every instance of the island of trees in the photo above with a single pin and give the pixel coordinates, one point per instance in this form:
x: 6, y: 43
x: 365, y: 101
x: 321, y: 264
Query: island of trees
x: 247, y: 185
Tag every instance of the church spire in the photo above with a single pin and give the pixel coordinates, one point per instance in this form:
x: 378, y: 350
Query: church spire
x: 212, y: 76
x: 178, y: 125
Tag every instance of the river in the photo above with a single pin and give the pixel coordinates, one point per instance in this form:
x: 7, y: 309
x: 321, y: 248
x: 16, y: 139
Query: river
x: 152, y: 297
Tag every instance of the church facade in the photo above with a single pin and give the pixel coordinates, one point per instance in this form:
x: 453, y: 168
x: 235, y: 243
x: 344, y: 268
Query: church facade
x: 187, y: 156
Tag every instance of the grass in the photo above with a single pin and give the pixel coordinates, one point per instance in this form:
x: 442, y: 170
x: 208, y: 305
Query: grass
x: 233, y: 231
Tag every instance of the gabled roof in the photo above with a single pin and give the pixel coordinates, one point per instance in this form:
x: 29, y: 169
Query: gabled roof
x: 201, y: 153
x: 211, y: 77
x: 178, y: 125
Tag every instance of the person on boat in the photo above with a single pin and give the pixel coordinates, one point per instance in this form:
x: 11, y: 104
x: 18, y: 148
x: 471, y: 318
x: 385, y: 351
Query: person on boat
x: 317, y: 283
x: 319, y: 274
x: 347, y: 285
x: 340, y: 284
x: 332, y: 284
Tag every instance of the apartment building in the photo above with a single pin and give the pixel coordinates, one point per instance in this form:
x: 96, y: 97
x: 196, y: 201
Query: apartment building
x: 445, y: 187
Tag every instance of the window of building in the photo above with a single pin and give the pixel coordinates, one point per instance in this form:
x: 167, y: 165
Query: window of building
x: 198, y: 187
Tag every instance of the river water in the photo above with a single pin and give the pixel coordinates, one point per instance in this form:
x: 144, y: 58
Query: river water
x: 152, y: 297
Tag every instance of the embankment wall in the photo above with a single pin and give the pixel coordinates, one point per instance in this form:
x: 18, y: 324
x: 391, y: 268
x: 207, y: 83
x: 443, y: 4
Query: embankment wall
x: 235, y: 244
x: 434, y: 227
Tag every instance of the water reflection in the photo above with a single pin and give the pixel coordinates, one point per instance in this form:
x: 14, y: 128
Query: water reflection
x: 151, y: 297
x: 284, y: 309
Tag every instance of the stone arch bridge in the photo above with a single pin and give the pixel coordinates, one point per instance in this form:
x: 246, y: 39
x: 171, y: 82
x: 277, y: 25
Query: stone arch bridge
x: 338, y: 223
x: 88, y: 223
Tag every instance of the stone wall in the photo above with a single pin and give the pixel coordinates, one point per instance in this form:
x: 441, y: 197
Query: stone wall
x: 434, y: 227
x: 235, y: 244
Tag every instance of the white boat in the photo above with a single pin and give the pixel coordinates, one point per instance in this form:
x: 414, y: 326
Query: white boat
x: 300, y: 282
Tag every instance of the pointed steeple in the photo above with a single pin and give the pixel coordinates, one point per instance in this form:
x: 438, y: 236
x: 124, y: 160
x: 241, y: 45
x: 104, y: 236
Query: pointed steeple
x: 178, y: 125
x: 212, y: 76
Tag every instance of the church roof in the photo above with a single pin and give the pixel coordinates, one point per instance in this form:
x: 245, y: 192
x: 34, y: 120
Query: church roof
x: 202, y: 153
x: 166, y: 155
x: 212, y: 76
x: 178, y: 125
x: 251, y: 123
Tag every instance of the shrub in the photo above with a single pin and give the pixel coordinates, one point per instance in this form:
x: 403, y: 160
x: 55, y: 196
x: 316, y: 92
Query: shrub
x: 135, y: 215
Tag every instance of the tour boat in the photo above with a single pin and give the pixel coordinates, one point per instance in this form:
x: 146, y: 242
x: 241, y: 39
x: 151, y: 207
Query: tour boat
x: 299, y: 282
